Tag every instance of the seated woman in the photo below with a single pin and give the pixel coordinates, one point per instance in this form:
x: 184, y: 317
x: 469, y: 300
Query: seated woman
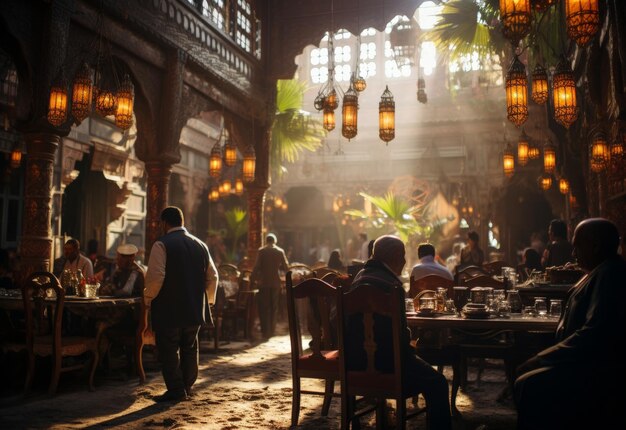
x: 334, y: 261
x: 531, y: 260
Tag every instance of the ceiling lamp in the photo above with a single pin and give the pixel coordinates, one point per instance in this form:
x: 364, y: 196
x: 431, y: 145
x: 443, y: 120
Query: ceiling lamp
x: 563, y: 186
x: 545, y: 181
x: 508, y: 161
x: 249, y: 164
x: 403, y: 38
x: 329, y: 119
x: 516, y: 93
x: 215, y: 161
x: 549, y: 157
x: 57, y: 104
x: 230, y: 153
x: 125, y: 100
x: 422, y: 97
x: 564, y: 95
x: 387, y: 116
x: 82, y: 90
x: 515, y: 16
x: 238, y: 186
x: 539, y: 85
x: 533, y: 152
x: 598, y: 153
x: 214, y: 194
x: 582, y: 18
x: 349, y: 114
x: 522, y: 149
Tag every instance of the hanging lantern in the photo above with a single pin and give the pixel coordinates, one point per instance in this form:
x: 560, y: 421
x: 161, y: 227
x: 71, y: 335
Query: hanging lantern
x: 284, y: 207
x: 516, y: 93
x: 508, y: 161
x: 57, y: 104
x: 349, y: 114
x: 238, y: 186
x: 515, y: 16
x: 105, y: 102
x: 549, y: 157
x: 249, y: 164
x: 563, y: 186
x: 358, y: 82
x: 533, y: 152
x: 545, y: 181
x: 227, y: 186
x: 402, y: 39
x: 617, y: 146
x: 230, y: 153
x: 82, y: 89
x: 319, y: 102
x: 422, y: 97
x: 599, y: 153
x: 522, y: 149
x: 125, y: 100
x: 539, y: 85
x: 564, y: 95
x: 278, y: 201
x: 220, y: 190
x: 387, y: 116
x: 214, y: 194
x: 215, y: 161
x: 582, y: 18
x: 331, y: 102
x: 329, y: 119
x: 16, y: 157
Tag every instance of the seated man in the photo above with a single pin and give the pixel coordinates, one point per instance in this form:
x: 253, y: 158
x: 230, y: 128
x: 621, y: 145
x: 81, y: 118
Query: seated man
x: 383, y: 269
x: 428, y: 265
x: 578, y: 383
x: 128, y: 278
x: 73, y: 260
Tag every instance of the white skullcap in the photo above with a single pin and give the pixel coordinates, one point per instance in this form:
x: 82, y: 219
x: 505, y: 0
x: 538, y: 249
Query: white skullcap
x: 127, y: 249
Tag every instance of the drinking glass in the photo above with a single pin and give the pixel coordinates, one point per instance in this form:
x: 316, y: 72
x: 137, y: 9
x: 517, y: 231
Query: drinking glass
x: 515, y: 301
x: 541, y: 307
x: 555, y: 308
x: 409, y: 305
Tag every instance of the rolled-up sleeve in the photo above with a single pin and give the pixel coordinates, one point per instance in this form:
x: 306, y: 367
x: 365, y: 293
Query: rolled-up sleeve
x: 156, y: 272
x: 211, y: 279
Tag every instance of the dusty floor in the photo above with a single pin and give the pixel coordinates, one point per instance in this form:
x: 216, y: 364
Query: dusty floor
x: 243, y: 386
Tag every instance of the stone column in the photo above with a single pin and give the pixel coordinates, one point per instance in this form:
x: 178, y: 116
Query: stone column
x: 36, y: 245
x: 157, y: 190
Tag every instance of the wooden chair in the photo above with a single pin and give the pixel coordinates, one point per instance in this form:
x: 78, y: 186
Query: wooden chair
x: 322, y: 271
x: 430, y: 282
x: 494, y: 267
x: 468, y: 272
x: 226, y: 300
x: 321, y: 361
x: 361, y: 304
x: 484, y: 281
x: 241, y: 307
x: 44, y: 332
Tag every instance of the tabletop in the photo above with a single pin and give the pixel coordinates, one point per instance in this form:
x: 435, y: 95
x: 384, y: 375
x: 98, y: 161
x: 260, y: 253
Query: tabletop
x: 514, y: 323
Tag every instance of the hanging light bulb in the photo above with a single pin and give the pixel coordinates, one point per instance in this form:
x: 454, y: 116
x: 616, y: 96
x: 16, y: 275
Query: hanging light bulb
x: 214, y: 194
x: 549, y: 157
x: 563, y: 186
x: 82, y: 89
x: 516, y: 93
x: 598, y: 153
x: 349, y: 114
x: 387, y: 116
x: 238, y: 186
x: 508, y: 161
x: 522, y: 149
x: 249, y: 164
x: 582, y: 18
x: 125, y: 100
x: 230, y: 153
x: 564, y: 95
x: 57, y: 103
x: 215, y: 161
x: 329, y: 119
x: 515, y: 16
x: 545, y: 181
x: 539, y: 85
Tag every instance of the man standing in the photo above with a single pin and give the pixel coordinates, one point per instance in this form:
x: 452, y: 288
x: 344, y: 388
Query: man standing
x: 428, y: 265
x: 73, y: 260
x: 128, y: 278
x: 180, y: 283
x: 270, y: 259
x: 382, y: 270
x: 578, y: 383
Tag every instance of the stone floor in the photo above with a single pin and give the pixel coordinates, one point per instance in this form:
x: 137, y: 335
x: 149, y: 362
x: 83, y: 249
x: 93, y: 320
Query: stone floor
x: 242, y: 386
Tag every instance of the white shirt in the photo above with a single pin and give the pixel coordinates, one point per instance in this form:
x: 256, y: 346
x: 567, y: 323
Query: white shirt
x: 82, y: 263
x: 428, y: 266
x: 364, y: 252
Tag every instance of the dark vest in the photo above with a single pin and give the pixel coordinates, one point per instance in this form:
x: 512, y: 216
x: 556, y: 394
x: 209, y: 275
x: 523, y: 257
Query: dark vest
x: 181, y: 302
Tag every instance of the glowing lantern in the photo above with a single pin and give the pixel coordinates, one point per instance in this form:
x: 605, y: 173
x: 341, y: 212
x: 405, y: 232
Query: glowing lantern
x: 515, y: 16
x: 230, y: 153
x: 598, y: 153
x: 545, y: 181
x: 215, y: 161
x: 549, y: 157
x: 522, y: 149
x: 564, y: 95
x: 539, y: 85
x: 617, y: 146
x: 105, y: 102
x: 331, y: 102
x: 582, y: 18
x: 238, y: 186
x: 329, y: 119
x: 387, y: 116
x: 82, y: 89
x: 214, y: 194
x: 349, y: 114
x: 563, y: 186
x: 508, y: 161
x: 227, y: 186
x: 249, y: 164
x: 358, y: 83
x: 57, y: 104
x: 533, y: 152
x: 517, y: 93
x: 422, y: 97
x: 16, y: 157
x: 125, y: 100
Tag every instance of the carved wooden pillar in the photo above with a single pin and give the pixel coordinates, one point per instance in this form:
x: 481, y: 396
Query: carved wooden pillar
x: 158, y: 184
x: 36, y: 246
x: 256, y: 200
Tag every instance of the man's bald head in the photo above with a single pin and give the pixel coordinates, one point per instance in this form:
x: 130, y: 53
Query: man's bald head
x: 595, y: 240
x: 390, y: 250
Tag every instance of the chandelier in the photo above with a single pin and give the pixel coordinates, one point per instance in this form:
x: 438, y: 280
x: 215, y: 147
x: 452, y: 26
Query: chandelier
x: 516, y: 93
x: 539, y: 87
x: 515, y: 16
x: 386, y: 116
x: 582, y: 18
x: 522, y: 149
x: 564, y: 95
x: 326, y: 99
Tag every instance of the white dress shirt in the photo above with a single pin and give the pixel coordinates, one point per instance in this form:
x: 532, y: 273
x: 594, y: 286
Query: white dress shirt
x: 428, y: 266
x: 82, y: 263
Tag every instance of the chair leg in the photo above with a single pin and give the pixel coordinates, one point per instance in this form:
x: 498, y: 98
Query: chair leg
x: 295, y: 401
x: 96, y: 356
x: 328, y: 396
x: 56, y: 373
x: 139, y: 363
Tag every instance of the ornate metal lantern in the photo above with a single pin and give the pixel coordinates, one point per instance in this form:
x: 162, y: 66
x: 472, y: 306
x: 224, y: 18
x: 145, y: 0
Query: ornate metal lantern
x: 329, y: 119
x: 125, y: 100
x: 564, y: 95
x: 227, y: 186
x: 82, y: 90
x: 106, y: 103
x: 522, y: 149
x: 387, y: 116
x: 549, y: 157
x: 57, y: 104
x: 249, y: 164
x: 403, y: 39
x: 422, y: 97
x: 533, y: 152
x: 331, y: 102
x: 230, y: 153
x: 599, y: 153
x: 545, y: 181
x: 358, y: 82
x: 582, y: 18
x: 508, y: 161
x: 215, y: 161
x: 8, y: 83
x: 539, y: 85
x: 238, y: 186
x: 515, y: 16
x: 16, y: 157
x: 350, y: 114
x: 517, y: 93
x: 563, y: 186
x: 214, y: 194
x: 617, y: 146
